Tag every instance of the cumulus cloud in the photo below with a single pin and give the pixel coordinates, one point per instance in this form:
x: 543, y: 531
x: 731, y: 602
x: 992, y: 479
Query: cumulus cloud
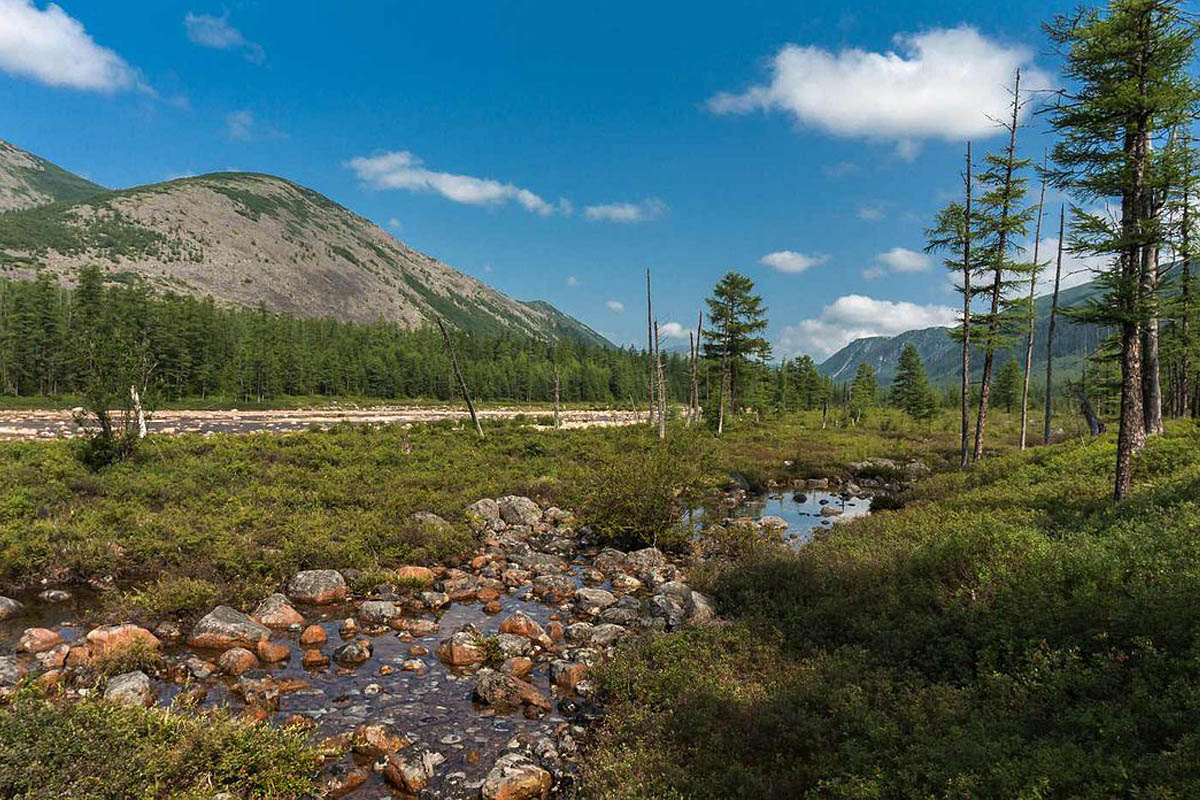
x: 871, y: 213
x: 648, y: 209
x: 615, y: 305
x: 403, y: 170
x: 791, y: 261
x: 207, y: 30
x: 941, y: 83
x: 672, y: 330
x: 900, y: 259
x: 855, y: 316
x: 53, y: 48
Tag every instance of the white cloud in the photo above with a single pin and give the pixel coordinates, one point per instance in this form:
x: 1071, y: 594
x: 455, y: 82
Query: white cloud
x: 672, y: 330
x: 572, y: 280
x: 216, y: 32
x: 940, y: 83
x: 873, y: 273
x: 53, y: 48
x: 899, y: 259
x: 394, y: 224
x: 403, y: 170
x: 615, y: 305
x: 648, y: 209
x: 855, y: 316
x: 791, y: 261
x: 1076, y: 269
x: 871, y: 213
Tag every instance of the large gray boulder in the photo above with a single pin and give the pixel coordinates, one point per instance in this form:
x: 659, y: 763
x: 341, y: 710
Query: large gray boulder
x: 225, y: 627
x: 9, y: 607
x: 129, y: 689
x: 517, y: 510
x: 317, y: 586
x: 516, y: 777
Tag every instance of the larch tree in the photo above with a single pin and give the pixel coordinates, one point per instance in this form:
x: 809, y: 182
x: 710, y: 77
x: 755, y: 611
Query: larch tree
x: 1002, y: 221
x: 864, y: 392
x: 951, y: 234
x: 1127, y: 70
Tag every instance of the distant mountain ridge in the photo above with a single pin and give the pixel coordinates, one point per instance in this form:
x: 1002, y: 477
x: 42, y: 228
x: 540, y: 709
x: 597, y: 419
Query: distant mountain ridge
x: 942, y: 355
x: 247, y: 239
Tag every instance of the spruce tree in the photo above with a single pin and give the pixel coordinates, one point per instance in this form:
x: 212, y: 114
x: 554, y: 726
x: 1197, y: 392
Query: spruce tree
x: 733, y: 338
x: 911, y: 391
x: 864, y: 391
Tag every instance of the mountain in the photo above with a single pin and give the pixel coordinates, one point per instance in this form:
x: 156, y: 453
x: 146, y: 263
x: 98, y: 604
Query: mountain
x: 250, y: 239
x: 27, y: 181
x: 942, y: 355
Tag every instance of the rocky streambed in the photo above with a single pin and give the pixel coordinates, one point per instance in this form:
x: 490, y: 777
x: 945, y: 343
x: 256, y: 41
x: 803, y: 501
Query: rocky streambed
x: 453, y: 682
x: 450, y: 682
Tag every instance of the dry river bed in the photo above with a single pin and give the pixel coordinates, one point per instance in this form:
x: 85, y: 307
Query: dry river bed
x: 54, y: 424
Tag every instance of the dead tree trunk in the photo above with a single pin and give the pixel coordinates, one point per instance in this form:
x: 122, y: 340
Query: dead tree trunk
x: 138, y: 412
x: 1050, y: 331
x: 462, y: 382
x: 1033, y: 276
x: 658, y: 379
x: 557, y: 417
x: 966, y: 343
x: 649, y: 349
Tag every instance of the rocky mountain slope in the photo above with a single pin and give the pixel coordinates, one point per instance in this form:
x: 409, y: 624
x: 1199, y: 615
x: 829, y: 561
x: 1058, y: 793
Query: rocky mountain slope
x: 252, y: 239
x: 942, y: 355
x: 27, y: 181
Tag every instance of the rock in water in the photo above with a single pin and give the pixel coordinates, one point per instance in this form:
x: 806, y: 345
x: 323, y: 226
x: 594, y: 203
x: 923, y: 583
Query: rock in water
x: 9, y: 607
x: 516, y: 777
x: 112, y: 638
x: 130, y: 689
x: 225, y: 627
x: 276, y: 612
x: 317, y: 586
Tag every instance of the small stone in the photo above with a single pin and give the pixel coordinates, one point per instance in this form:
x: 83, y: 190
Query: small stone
x: 592, y: 601
x: 54, y: 596
x: 11, y: 671
x: 377, y: 739
x: 9, y: 607
x: 461, y: 649
x: 237, y: 660
x: 379, y: 611
x: 313, y: 659
x: 273, y: 652
x: 313, y: 635
x: 129, y: 689
x: 414, y: 575
x: 505, y: 692
x: 353, y: 653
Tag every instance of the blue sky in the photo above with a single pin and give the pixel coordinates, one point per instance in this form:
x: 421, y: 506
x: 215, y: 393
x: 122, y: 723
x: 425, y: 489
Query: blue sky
x: 557, y: 150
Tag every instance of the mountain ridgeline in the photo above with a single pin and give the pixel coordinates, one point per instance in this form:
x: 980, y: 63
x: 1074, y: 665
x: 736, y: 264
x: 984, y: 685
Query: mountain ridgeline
x: 247, y: 240
x: 942, y: 354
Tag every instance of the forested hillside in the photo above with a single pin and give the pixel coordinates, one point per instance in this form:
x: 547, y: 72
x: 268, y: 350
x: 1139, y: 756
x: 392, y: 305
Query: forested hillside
x: 195, y: 348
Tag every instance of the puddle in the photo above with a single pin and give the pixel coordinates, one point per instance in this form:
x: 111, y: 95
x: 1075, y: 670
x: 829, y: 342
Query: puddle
x: 801, y: 510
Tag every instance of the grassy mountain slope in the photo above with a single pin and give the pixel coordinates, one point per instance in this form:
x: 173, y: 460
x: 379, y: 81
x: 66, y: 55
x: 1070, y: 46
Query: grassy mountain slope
x: 250, y: 239
x: 942, y: 355
x: 27, y: 181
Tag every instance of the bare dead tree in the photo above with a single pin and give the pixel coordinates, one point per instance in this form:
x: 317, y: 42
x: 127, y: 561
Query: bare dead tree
x: 557, y: 419
x: 1033, y: 276
x: 462, y: 383
x: 966, y: 332
x: 1062, y: 215
x: 658, y: 379
x: 650, y: 349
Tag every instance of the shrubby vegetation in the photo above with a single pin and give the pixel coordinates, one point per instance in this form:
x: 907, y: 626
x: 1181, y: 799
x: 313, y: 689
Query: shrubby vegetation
x: 97, y: 750
x: 1011, y: 633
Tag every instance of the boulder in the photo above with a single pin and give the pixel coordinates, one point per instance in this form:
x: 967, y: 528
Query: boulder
x: 313, y: 635
x: 112, y: 638
x: 422, y: 576
x: 461, y: 649
x: 38, y: 640
x: 225, y: 627
x: 506, y: 693
x: 351, y: 654
x: 317, y: 586
x: 481, y: 512
x: 566, y: 675
x: 411, y: 770
x: 9, y: 607
x: 380, y: 612
x: 591, y: 602
x: 11, y: 671
x: 519, y: 511
x: 273, y: 652
x: 553, y: 588
x: 521, y: 624
x: 377, y: 739
x: 129, y: 689
x: 276, y: 611
x: 516, y: 777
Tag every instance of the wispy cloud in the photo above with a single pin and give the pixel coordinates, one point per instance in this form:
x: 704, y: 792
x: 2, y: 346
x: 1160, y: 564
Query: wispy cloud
x: 941, y: 83
x: 791, y: 261
x: 900, y: 259
x: 615, y: 305
x: 53, y: 48
x: 871, y: 213
x: 207, y: 30
x: 649, y: 209
x: 243, y: 126
x: 403, y: 170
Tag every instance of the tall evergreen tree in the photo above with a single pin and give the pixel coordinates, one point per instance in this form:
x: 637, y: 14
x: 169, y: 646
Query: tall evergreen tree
x: 1129, y: 84
x: 910, y: 386
x: 737, y: 320
x: 864, y: 391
